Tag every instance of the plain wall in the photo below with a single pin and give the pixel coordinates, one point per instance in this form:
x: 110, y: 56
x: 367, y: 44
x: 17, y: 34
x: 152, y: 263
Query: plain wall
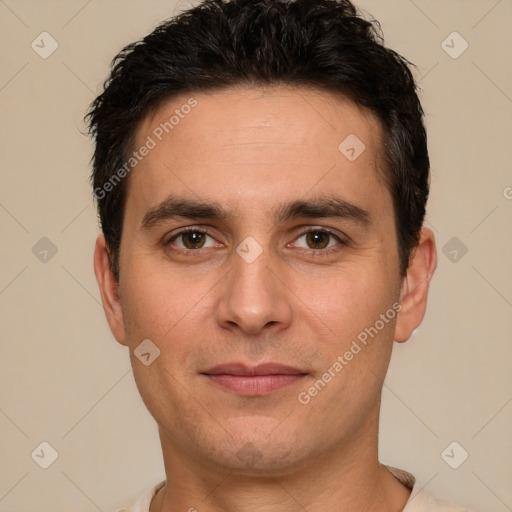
x: 64, y: 379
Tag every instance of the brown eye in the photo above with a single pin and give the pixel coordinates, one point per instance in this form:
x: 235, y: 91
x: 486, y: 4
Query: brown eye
x: 318, y: 239
x: 192, y: 239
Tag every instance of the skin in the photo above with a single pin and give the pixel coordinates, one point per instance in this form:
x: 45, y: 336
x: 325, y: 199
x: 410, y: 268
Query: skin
x: 251, y: 149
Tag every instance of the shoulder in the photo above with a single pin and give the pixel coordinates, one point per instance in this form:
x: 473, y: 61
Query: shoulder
x: 143, y: 503
x: 420, y: 500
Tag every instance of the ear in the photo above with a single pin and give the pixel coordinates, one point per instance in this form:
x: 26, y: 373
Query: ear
x: 109, y: 290
x: 415, y: 285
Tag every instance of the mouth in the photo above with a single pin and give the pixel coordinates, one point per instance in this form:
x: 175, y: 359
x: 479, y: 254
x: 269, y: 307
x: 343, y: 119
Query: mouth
x: 254, y: 380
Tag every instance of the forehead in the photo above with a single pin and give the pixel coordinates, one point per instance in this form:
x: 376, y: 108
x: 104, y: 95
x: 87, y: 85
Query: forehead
x: 270, y: 111
x: 246, y: 137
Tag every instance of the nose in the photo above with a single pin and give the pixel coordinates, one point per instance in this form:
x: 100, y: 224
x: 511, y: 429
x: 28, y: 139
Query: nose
x: 253, y: 298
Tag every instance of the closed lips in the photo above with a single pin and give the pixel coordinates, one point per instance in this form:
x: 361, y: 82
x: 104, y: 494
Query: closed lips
x: 244, y: 370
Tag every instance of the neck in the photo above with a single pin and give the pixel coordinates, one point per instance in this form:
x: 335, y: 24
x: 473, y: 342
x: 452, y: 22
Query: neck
x: 347, y: 477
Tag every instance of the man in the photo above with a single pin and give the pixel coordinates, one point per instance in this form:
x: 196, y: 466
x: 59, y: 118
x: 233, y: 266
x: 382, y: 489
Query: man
x: 261, y: 172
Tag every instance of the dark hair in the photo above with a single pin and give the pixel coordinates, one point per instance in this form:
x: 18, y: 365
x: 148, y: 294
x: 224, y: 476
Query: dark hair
x: 323, y: 44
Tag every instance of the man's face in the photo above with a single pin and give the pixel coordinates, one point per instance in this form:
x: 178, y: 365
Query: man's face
x: 249, y: 287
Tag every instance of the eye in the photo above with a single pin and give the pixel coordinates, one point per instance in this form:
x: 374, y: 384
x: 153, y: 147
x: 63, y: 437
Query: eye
x: 319, y: 239
x: 191, y: 239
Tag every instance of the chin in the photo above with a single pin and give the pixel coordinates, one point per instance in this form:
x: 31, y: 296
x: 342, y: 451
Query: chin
x: 257, y: 449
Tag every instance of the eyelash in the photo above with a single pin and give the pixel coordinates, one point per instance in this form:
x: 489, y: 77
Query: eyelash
x: 196, y: 252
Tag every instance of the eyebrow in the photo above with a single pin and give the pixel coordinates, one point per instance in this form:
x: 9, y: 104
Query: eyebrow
x: 318, y: 207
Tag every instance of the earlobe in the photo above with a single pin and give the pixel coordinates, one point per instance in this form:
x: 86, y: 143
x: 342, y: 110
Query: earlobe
x: 109, y: 290
x: 415, y: 286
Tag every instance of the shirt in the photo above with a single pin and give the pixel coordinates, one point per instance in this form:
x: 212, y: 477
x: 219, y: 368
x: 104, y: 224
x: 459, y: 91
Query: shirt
x: 419, y: 500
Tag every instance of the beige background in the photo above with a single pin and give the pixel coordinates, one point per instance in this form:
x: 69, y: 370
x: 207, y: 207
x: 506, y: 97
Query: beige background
x: 64, y: 379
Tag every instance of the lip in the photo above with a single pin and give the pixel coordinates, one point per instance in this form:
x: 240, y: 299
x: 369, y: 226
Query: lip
x: 254, y: 380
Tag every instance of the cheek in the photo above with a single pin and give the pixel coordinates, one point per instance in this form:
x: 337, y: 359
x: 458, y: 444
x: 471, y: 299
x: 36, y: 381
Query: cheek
x: 155, y: 304
x: 164, y: 392
x: 350, y: 309
x: 165, y: 311
x: 348, y: 301
x: 358, y: 310
x: 171, y: 311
